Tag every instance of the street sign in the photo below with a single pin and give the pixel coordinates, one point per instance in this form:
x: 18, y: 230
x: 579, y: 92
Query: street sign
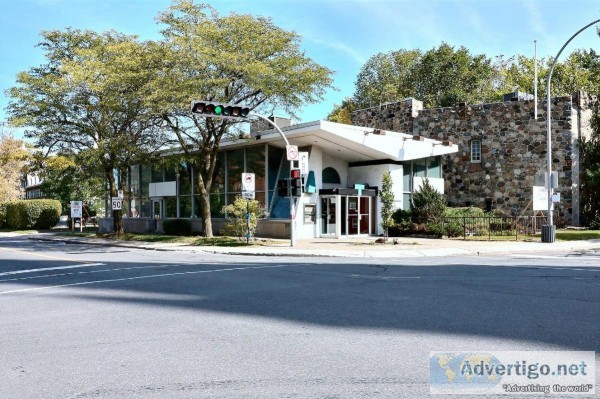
x: 304, y: 163
x: 76, y: 209
x: 248, y: 182
x: 292, y: 152
x: 120, y: 194
x: 248, y: 185
x: 117, y: 203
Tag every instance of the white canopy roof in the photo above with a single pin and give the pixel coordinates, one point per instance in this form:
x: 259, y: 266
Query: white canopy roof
x: 351, y: 143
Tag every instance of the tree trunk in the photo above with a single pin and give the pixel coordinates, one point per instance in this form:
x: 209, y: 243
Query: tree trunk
x: 206, y: 219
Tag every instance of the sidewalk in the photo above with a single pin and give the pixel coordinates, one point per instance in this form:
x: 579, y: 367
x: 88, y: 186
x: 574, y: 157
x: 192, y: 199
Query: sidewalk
x: 407, y: 247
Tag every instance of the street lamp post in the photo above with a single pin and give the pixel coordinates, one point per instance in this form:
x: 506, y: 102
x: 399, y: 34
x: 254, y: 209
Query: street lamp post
x: 292, y: 213
x: 549, y: 231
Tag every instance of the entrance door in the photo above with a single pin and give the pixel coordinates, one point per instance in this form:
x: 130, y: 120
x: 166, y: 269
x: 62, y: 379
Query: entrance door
x: 328, y: 216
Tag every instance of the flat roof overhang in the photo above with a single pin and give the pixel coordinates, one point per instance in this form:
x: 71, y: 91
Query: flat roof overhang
x: 350, y: 143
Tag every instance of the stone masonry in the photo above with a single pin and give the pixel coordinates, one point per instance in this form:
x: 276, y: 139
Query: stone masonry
x: 513, y: 148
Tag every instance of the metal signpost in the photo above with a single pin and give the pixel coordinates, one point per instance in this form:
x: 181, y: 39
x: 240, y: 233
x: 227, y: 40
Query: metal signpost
x: 248, y: 192
x: 76, y: 213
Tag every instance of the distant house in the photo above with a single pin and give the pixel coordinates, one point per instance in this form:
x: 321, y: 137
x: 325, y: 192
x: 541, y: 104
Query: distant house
x: 31, y: 186
x: 501, y: 148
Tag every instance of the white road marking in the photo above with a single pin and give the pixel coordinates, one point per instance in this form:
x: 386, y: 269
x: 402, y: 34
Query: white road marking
x: 90, y: 272
x: 142, y: 277
x: 11, y: 273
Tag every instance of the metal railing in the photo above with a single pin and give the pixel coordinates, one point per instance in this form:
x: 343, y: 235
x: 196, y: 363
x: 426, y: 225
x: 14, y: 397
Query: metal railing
x: 492, y: 226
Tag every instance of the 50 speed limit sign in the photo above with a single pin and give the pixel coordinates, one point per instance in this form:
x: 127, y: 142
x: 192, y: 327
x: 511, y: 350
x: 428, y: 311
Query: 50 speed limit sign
x: 117, y: 203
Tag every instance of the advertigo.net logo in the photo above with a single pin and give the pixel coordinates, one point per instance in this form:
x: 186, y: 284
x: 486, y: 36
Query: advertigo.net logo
x: 512, y: 372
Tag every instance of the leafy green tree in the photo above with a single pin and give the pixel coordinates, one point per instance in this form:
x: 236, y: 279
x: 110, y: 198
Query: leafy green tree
x: 427, y: 204
x: 66, y: 180
x: 240, y: 59
x: 343, y: 113
x: 236, y: 224
x: 386, y: 77
x: 386, y: 196
x: 89, y: 100
x: 13, y: 160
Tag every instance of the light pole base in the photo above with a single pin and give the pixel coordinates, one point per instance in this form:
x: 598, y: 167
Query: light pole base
x: 548, y: 233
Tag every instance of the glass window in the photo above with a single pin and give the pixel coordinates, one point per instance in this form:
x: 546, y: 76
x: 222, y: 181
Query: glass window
x: 135, y: 180
x: 275, y: 159
x: 255, y: 163
x: 170, y: 174
x: 185, y: 179
x: 170, y: 207
x: 235, y: 168
x: 475, y: 150
x: 420, y: 168
x: 146, y: 179
x: 434, y: 167
x: 157, y: 174
x: 185, y: 206
x: 218, y: 183
x: 407, y: 177
x: 331, y: 175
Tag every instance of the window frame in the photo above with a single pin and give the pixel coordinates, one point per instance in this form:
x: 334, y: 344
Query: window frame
x: 475, y: 153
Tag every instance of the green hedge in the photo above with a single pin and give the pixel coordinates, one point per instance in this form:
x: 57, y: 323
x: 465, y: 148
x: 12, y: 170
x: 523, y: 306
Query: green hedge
x: 177, y: 227
x: 31, y: 214
x: 3, y: 214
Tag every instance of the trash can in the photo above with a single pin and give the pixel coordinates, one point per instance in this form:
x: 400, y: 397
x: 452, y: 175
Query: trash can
x: 548, y: 233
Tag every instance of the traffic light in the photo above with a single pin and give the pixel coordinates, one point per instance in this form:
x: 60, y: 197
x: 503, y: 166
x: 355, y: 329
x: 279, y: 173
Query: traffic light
x: 283, y: 188
x: 296, y: 183
x: 213, y: 109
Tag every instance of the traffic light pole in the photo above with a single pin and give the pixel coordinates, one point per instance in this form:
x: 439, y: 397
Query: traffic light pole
x: 292, y: 212
x: 549, y: 233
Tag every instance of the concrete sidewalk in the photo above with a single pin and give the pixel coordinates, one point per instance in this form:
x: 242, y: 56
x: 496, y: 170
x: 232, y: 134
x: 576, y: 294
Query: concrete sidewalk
x: 406, y: 247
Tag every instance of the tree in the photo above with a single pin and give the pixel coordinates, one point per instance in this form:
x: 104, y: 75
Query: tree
x: 88, y: 100
x: 386, y: 196
x: 343, y: 113
x: 386, y: 77
x: 13, y: 159
x: 66, y: 180
x: 238, y: 59
x: 427, y: 204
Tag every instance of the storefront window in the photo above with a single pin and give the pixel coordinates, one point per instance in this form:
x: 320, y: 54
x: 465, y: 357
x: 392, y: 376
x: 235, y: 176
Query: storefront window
x: 235, y: 168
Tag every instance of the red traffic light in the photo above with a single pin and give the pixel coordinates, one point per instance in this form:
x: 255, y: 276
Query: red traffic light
x: 295, y: 173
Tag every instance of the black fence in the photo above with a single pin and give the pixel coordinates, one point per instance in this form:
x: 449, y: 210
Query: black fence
x: 493, y: 226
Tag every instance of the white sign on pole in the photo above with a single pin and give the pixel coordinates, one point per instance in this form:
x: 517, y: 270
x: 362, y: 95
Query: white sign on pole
x: 248, y: 182
x: 248, y: 194
x: 292, y: 152
x: 76, y: 209
x: 556, y: 198
x: 304, y: 163
x: 540, y: 198
x: 120, y: 194
x: 117, y: 203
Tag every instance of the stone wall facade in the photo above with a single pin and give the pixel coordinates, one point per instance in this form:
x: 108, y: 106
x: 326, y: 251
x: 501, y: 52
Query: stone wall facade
x: 513, y: 148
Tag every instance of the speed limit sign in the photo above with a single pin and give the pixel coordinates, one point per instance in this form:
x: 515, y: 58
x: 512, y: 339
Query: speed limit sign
x: 117, y: 203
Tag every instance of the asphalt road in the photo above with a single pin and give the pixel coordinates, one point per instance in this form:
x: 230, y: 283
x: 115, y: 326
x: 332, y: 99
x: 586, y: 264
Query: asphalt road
x: 79, y: 321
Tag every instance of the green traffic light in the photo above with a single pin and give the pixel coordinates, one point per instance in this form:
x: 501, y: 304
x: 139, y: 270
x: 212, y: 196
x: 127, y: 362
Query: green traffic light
x: 218, y: 110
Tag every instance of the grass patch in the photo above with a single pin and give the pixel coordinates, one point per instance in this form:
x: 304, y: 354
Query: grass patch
x: 217, y: 241
x: 574, y: 235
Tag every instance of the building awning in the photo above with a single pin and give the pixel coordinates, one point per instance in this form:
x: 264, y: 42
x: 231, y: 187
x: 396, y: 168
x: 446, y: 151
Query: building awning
x: 351, y: 143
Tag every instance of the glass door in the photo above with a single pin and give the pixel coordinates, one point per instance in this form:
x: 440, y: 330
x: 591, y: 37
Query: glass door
x: 353, y: 215
x: 364, y: 221
x: 328, y: 216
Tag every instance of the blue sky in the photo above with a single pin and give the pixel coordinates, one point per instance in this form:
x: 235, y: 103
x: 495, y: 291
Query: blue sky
x: 339, y: 34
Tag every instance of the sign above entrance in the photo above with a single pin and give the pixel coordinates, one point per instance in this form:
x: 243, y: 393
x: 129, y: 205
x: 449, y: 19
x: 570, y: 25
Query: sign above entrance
x: 303, y: 163
x: 292, y: 152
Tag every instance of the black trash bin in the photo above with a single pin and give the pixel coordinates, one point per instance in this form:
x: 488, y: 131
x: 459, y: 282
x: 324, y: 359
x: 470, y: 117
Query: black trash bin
x: 548, y: 233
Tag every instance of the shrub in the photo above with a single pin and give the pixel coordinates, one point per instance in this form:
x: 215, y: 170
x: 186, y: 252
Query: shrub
x: 235, y: 225
x: 37, y: 214
x: 428, y: 204
x: 177, y: 227
x: 2, y: 214
x: 399, y: 216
